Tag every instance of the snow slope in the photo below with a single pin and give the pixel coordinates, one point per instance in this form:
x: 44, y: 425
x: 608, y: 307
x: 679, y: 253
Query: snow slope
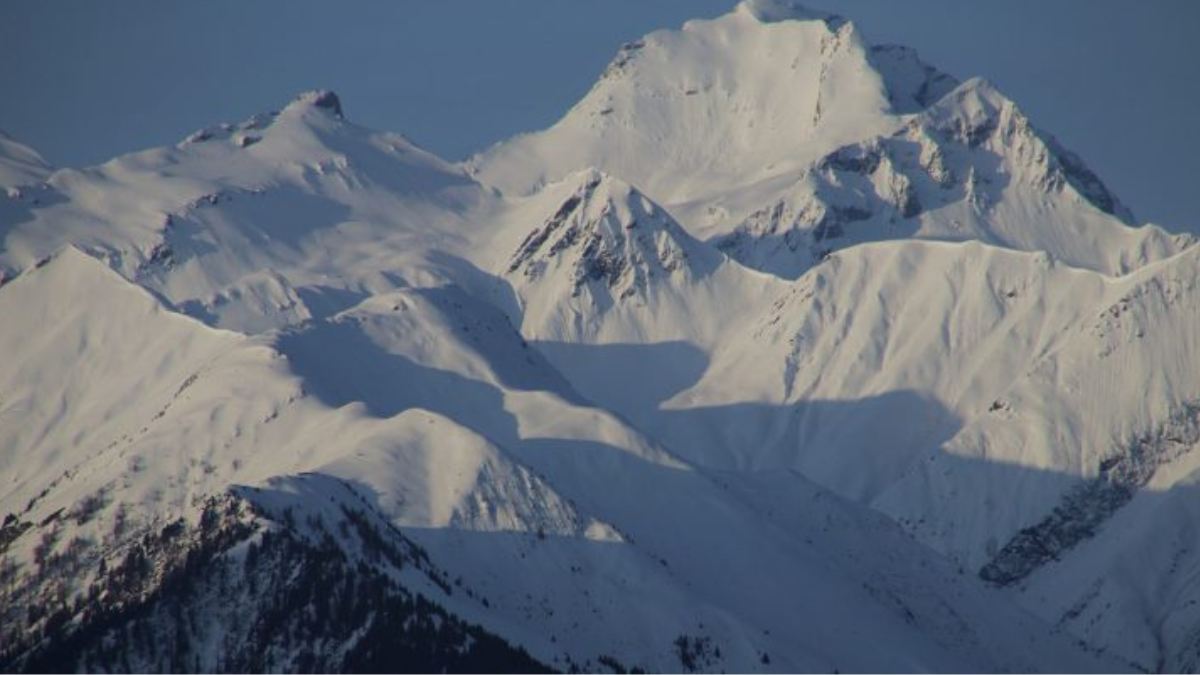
x: 720, y: 102
x: 780, y: 351
x: 20, y: 164
x: 778, y: 134
x: 259, y: 224
x: 590, y: 259
x: 969, y: 167
x: 514, y: 490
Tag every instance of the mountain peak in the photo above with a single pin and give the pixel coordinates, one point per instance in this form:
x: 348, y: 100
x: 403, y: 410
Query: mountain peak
x: 20, y: 164
x: 590, y: 177
x: 776, y: 11
x: 321, y: 100
x: 718, y: 103
x: 318, y: 107
x: 973, y: 111
x: 981, y: 89
x: 976, y: 113
x: 608, y: 237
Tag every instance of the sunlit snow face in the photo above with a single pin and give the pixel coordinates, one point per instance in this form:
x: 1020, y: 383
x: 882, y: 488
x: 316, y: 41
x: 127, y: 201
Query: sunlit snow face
x: 776, y: 344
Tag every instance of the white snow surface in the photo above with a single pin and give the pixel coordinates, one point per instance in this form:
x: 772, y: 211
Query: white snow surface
x: 20, y: 164
x: 720, y: 102
x: 775, y: 338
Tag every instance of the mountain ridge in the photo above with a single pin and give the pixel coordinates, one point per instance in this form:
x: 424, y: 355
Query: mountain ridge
x: 714, y: 373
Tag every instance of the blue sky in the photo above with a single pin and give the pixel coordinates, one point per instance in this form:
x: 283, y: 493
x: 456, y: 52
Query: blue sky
x: 1116, y: 80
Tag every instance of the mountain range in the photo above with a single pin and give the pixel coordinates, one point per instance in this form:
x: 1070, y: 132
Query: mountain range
x: 780, y: 351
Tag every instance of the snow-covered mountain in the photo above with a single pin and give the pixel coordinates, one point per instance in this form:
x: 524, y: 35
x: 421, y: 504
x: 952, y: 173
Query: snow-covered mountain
x: 20, y: 164
x: 780, y: 351
x: 777, y: 134
x: 260, y: 224
x: 969, y: 167
x: 717, y: 104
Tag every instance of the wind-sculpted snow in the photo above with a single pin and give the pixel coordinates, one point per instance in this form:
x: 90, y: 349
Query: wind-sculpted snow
x: 768, y: 350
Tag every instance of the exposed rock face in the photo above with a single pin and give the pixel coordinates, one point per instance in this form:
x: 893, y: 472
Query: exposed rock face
x: 270, y: 591
x: 608, y: 239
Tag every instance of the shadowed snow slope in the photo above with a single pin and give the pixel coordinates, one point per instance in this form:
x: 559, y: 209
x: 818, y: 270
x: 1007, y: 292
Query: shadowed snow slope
x: 509, y: 486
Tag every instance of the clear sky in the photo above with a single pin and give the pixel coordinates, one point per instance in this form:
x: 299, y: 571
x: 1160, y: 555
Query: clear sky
x: 1116, y: 80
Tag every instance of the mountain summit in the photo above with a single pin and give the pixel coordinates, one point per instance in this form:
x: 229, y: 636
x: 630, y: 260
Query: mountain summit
x: 773, y: 11
x: 20, y: 164
x: 738, y: 125
x: 716, y: 103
